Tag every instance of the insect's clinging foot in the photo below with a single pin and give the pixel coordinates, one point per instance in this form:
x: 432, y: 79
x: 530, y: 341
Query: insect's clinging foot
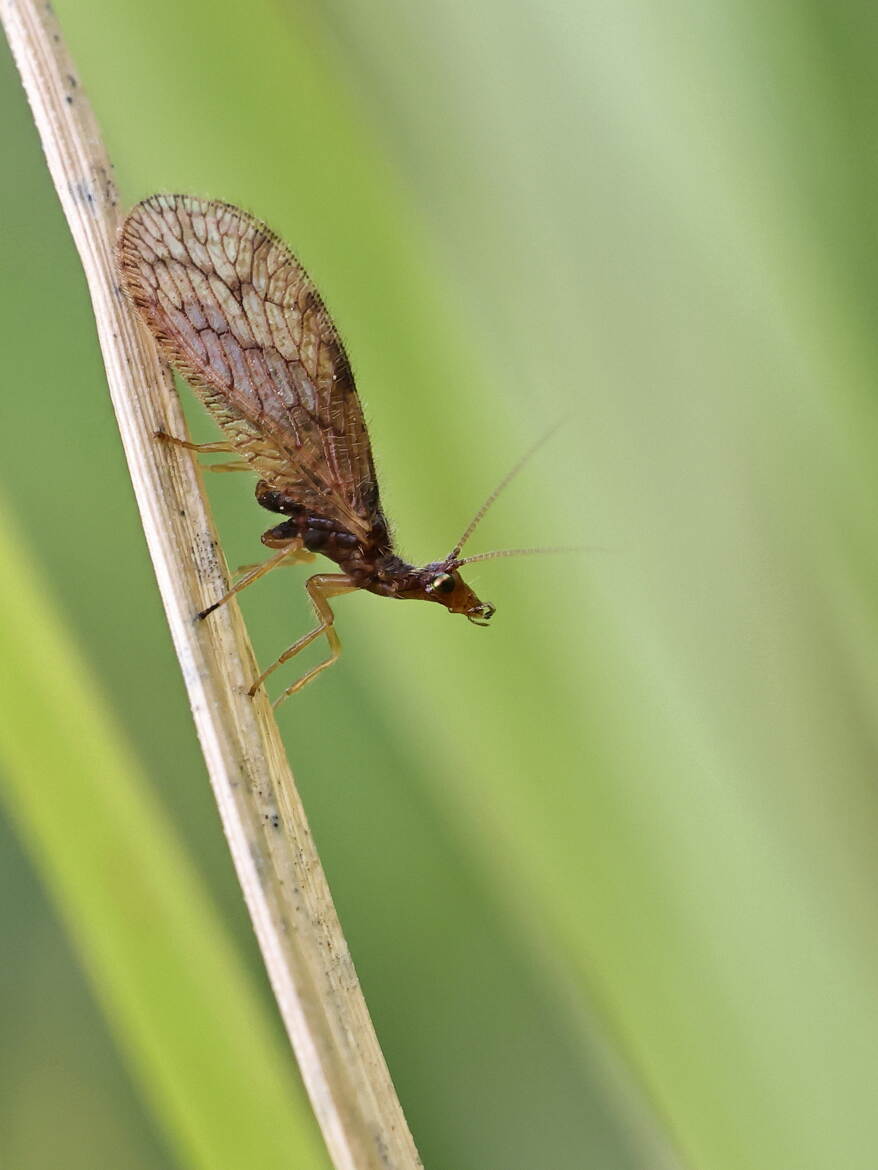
x: 202, y: 614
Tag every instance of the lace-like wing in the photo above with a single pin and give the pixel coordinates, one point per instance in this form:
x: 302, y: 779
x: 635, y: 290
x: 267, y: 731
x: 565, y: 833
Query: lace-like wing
x: 239, y: 317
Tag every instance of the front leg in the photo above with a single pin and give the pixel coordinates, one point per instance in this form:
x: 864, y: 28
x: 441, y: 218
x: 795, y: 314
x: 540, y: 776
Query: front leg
x: 320, y: 589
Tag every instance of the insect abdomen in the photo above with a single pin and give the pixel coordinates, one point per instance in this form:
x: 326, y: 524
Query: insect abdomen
x: 316, y: 534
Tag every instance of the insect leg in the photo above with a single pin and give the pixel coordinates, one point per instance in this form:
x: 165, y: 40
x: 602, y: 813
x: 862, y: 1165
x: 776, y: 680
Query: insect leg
x: 236, y: 465
x: 254, y: 575
x: 320, y: 589
x: 202, y: 448
x: 295, y: 556
x: 208, y: 449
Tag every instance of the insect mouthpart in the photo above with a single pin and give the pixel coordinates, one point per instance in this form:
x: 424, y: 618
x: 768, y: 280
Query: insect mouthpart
x: 485, y: 611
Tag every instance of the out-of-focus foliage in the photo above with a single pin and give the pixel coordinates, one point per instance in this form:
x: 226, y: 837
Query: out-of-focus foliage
x: 638, y: 814
x: 197, y: 1037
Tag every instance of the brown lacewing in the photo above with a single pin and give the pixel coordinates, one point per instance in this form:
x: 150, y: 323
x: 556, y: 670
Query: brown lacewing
x: 237, y: 315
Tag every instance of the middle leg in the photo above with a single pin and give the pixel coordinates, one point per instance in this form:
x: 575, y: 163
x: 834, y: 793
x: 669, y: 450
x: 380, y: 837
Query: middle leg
x: 290, y: 550
x: 296, y: 556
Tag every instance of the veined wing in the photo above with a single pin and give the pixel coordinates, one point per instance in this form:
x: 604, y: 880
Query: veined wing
x: 236, y: 313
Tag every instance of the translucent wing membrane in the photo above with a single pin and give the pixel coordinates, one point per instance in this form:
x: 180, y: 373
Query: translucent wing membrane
x: 239, y: 317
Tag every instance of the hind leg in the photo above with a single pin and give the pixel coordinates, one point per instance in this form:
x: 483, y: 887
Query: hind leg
x: 207, y: 449
x: 202, y: 448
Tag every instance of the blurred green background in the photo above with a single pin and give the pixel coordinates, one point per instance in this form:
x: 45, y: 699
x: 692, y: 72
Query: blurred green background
x: 607, y: 871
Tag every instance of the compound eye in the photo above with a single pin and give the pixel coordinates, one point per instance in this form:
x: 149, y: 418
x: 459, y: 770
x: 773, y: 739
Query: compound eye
x: 444, y: 583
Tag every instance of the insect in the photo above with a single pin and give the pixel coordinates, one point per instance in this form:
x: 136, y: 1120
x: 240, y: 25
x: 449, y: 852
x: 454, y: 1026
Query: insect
x: 237, y: 315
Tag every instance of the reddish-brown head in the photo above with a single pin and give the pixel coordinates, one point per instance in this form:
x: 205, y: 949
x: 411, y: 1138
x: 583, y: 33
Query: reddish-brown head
x: 442, y: 582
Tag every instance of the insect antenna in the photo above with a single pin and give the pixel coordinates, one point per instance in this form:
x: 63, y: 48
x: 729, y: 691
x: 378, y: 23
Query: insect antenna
x: 504, y: 482
x: 522, y: 552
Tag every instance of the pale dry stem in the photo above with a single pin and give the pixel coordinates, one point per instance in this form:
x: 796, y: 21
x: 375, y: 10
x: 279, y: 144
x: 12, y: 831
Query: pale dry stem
x: 280, y: 873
